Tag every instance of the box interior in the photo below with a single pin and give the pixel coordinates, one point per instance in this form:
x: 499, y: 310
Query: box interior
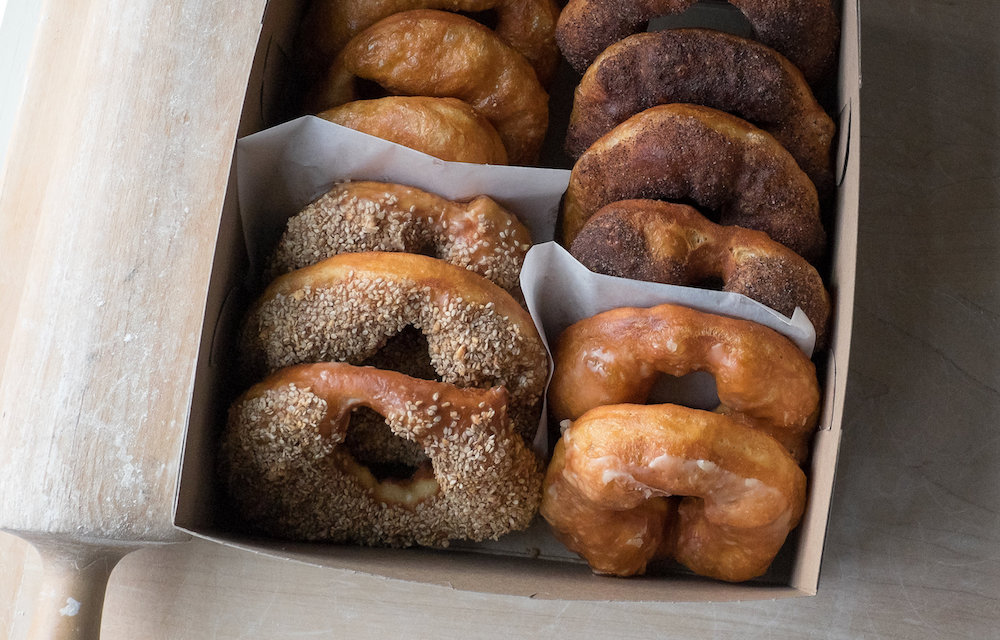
x: 543, y: 568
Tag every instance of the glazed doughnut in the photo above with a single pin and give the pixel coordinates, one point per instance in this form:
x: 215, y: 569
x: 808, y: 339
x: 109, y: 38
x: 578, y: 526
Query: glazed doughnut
x: 761, y: 377
x: 672, y: 243
x: 607, y: 492
x: 445, y: 128
x: 290, y: 473
x: 710, y: 68
x: 435, y: 53
x: 526, y: 25
x: 345, y: 308
x: 718, y: 161
x: 478, y: 235
x: 806, y: 32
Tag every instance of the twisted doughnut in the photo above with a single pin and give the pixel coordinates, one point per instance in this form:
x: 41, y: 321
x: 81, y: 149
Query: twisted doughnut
x: 345, y: 308
x: 673, y: 243
x: 722, y: 163
x: 710, y: 68
x: 435, y: 53
x: 445, y: 128
x: 762, y: 379
x: 806, y: 32
x: 290, y: 474
x: 478, y: 235
x: 607, y: 492
x: 526, y: 25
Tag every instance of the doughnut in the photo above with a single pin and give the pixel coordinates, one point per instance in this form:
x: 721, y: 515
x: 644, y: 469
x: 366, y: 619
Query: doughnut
x: 528, y: 26
x: 672, y: 243
x: 608, y: 492
x: 478, y: 235
x: 345, y: 308
x: 435, y: 53
x: 694, y: 153
x: 445, y: 128
x: 710, y: 68
x: 288, y: 467
x: 761, y: 377
x: 807, y: 32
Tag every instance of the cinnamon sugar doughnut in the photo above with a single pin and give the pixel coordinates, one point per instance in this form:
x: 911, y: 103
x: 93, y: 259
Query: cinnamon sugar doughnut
x: 290, y: 473
x: 478, y: 235
x: 807, y: 32
x: 607, y: 492
x: 345, y: 308
x: 718, y: 161
x: 441, y: 54
x: 526, y: 25
x: 710, y: 68
x: 674, y: 244
x: 761, y: 377
x: 445, y: 128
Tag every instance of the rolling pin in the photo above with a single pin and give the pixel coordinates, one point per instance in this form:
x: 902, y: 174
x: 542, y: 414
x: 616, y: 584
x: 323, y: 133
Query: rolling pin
x: 110, y: 199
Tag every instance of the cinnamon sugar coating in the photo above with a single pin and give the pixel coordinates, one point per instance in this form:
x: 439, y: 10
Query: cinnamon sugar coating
x: 285, y: 466
x: 674, y: 244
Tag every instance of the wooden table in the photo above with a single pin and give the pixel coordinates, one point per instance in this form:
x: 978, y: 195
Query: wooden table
x: 914, y: 543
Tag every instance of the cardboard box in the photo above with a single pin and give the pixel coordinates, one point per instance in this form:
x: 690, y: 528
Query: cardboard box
x: 530, y: 563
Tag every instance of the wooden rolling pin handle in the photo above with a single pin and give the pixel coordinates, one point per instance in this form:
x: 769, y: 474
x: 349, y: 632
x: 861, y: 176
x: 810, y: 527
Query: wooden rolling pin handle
x: 74, y: 581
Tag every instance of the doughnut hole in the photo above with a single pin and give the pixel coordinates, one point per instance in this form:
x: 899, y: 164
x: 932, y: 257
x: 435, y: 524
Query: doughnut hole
x: 488, y: 18
x: 695, y: 390
x: 369, y: 439
x: 721, y: 16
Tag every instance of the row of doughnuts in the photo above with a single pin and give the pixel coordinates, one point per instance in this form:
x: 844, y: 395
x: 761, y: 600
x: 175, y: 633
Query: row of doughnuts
x: 345, y: 435
x: 661, y: 121
x: 457, y: 89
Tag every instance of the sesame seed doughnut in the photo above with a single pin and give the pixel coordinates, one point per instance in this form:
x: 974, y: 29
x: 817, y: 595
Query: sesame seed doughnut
x: 290, y: 473
x: 607, y: 492
x: 436, y: 53
x: 478, y: 235
x: 710, y: 68
x: 526, y: 25
x: 761, y: 377
x: 345, y: 308
x: 672, y: 243
x: 807, y: 32
x: 445, y: 128
x: 720, y: 162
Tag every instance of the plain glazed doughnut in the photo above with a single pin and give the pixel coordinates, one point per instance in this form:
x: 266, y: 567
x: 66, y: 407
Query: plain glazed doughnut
x: 607, y: 492
x: 713, y: 69
x: 345, y: 308
x: 674, y: 244
x: 478, y: 235
x: 806, y: 32
x: 445, y: 128
x: 290, y: 473
x: 720, y: 162
x: 436, y: 53
x: 526, y: 25
x: 761, y: 377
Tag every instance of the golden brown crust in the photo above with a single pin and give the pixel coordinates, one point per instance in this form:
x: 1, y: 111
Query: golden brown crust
x: 807, y: 32
x: 440, y: 54
x: 762, y: 379
x: 352, y: 217
x: 526, y: 25
x: 285, y: 464
x: 345, y: 308
x: 710, y: 68
x: 445, y: 128
x: 674, y: 244
x: 689, y: 152
x: 608, y: 492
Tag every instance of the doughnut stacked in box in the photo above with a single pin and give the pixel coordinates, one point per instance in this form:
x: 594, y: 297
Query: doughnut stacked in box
x: 395, y: 377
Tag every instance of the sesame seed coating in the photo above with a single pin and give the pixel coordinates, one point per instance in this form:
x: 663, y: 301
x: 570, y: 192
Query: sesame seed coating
x: 345, y: 308
x: 478, y: 235
x: 284, y: 466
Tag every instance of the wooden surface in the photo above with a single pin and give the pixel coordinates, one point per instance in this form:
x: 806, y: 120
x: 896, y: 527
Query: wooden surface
x: 914, y: 543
